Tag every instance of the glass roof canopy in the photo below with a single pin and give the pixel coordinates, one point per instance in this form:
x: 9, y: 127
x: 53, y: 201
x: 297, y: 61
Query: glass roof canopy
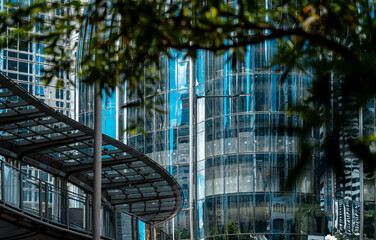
x: 36, y: 134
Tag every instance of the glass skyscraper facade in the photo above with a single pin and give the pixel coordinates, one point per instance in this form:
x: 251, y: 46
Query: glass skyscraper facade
x: 25, y: 63
x: 245, y: 147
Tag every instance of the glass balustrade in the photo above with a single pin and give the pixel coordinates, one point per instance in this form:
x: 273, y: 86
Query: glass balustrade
x: 43, y: 200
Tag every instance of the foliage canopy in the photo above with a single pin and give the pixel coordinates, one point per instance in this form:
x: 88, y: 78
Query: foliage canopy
x: 332, y: 40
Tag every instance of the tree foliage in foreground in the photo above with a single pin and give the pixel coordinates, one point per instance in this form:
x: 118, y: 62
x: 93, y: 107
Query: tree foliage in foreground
x: 336, y: 39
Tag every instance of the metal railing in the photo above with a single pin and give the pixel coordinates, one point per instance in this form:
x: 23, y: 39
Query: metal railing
x: 54, y: 205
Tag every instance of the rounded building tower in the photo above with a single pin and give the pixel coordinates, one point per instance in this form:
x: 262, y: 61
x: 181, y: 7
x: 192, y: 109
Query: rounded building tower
x: 228, y: 138
x: 245, y: 145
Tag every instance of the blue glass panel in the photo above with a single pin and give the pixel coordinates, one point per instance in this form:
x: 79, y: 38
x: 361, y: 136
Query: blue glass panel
x: 201, y: 184
x: 201, y: 218
x: 110, y: 127
x: 277, y: 93
x: 183, y: 108
x: 173, y: 108
x: 262, y: 92
x: 141, y: 230
x: 172, y: 73
x: 183, y: 73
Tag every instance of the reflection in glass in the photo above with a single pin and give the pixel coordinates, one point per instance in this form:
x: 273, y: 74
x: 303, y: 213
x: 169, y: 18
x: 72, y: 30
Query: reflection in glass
x: 231, y: 174
x: 218, y: 136
x: 232, y: 224
x: 261, y: 133
x: 218, y: 175
x: 12, y: 186
x: 261, y: 92
x: 209, y: 217
x: 220, y: 210
x: 262, y: 213
x: 209, y: 176
x: 246, y: 216
x: 261, y: 175
x: 277, y: 124
x: 245, y: 173
x: 231, y: 134
x: 277, y: 172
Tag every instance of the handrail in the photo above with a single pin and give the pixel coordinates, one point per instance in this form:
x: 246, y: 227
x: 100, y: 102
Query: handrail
x: 54, y: 205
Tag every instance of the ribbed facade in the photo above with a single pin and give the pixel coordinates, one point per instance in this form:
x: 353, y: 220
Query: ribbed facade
x: 25, y: 63
x: 245, y: 147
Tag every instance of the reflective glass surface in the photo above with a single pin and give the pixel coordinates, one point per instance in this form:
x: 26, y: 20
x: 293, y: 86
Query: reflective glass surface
x: 246, y: 147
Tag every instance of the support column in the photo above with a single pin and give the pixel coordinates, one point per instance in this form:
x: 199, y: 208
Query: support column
x: 192, y: 123
x: 97, y: 193
x: 97, y: 178
x: 361, y: 176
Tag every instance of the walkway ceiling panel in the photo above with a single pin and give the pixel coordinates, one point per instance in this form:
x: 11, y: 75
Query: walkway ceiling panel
x: 42, y: 137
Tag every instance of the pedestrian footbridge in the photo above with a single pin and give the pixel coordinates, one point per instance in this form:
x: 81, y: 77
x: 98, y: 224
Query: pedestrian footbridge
x: 46, y: 177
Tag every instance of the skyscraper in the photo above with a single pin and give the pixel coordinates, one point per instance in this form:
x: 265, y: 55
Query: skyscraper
x: 239, y: 144
x: 245, y: 147
x: 25, y: 63
x: 40, y: 201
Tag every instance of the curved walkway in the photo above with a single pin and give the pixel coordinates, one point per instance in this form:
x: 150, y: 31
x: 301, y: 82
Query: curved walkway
x: 35, y: 134
x: 31, y: 208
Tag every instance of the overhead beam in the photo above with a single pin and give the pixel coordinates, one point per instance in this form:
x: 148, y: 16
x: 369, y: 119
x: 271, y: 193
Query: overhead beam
x: 6, y: 94
x: 53, y: 143
x: 29, y: 124
x: 105, y: 163
x: 143, y: 199
x: 35, y: 133
x: 13, y: 105
x: 120, y: 185
x: 20, y: 118
x: 143, y: 213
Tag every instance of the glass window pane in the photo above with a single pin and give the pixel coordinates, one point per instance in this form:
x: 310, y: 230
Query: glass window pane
x: 209, y: 138
x: 262, y: 133
x: 231, y: 174
x: 209, y: 175
x: 277, y: 133
x: 220, y: 211
x: 246, y: 216
x: 277, y: 93
x: 231, y: 134
x: 232, y: 224
x: 261, y: 92
x: 246, y: 173
x: 246, y: 133
x: 218, y: 136
x: 209, y: 217
x: 261, y: 165
x: 262, y: 213
x: 218, y: 175
x: 277, y: 170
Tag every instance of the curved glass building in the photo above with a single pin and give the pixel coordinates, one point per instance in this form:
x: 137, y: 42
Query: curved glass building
x: 244, y: 148
x: 227, y: 137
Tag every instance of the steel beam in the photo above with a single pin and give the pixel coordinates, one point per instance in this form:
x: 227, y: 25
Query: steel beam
x: 120, y: 185
x: 105, y: 163
x: 143, y: 199
x: 7, y: 120
x: 52, y: 143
